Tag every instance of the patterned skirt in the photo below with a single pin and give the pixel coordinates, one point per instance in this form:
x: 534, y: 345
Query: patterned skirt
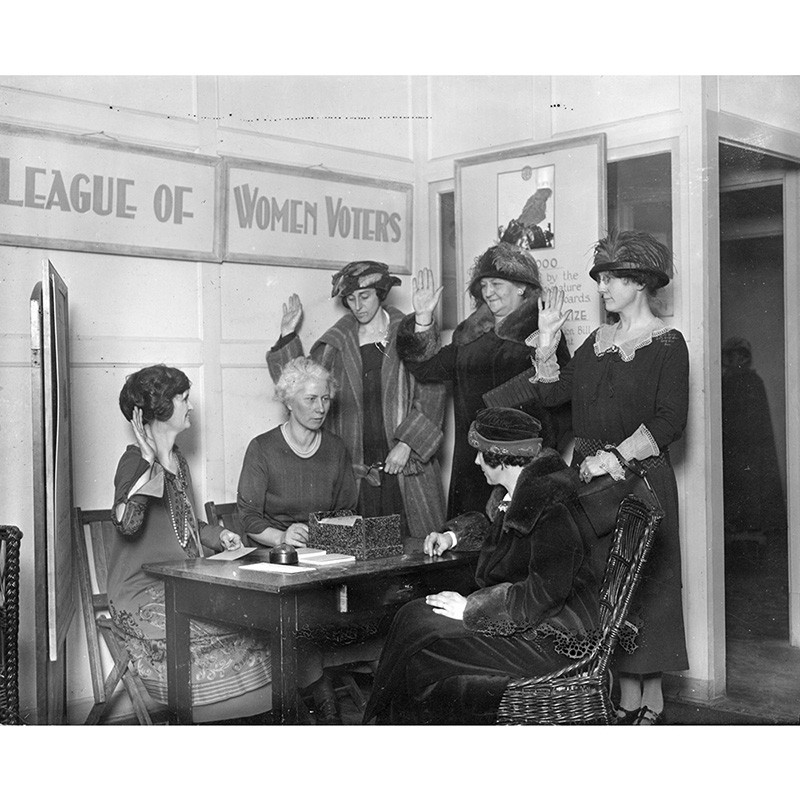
x: 225, y: 663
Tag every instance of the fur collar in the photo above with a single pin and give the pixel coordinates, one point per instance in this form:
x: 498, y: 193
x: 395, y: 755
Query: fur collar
x: 541, y: 485
x: 516, y: 327
x: 346, y: 327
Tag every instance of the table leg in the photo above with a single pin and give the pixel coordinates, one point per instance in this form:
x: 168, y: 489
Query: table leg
x: 179, y: 659
x: 284, y: 660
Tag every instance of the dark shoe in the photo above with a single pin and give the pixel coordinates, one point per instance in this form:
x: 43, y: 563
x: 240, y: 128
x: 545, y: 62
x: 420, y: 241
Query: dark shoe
x: 326, y: 707
x: 649, y: 717
x: 625, y: 717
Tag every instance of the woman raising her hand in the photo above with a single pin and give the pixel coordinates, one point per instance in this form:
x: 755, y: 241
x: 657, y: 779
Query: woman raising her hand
x: 629, y: 388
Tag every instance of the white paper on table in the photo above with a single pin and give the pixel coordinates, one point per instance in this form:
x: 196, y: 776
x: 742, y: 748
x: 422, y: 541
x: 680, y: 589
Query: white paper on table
x: 230, y: 555
x: 265, y: 566
x: 348, y: 521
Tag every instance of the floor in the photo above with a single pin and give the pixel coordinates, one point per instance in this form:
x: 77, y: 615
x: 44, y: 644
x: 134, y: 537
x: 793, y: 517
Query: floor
x: 763, y: 670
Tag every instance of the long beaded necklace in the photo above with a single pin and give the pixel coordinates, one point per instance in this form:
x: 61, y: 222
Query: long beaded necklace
x: 181, y: 512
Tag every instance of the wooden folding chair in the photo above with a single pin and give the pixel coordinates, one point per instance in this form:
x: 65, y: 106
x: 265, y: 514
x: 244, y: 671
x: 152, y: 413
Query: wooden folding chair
x: 90, y: 527
x: 225, y: 514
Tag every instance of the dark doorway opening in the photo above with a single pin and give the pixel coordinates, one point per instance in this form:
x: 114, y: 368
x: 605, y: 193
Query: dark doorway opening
x: 760, y: 662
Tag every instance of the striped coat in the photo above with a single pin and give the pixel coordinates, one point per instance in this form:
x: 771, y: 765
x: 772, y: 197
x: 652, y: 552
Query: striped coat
x: 413, y: 413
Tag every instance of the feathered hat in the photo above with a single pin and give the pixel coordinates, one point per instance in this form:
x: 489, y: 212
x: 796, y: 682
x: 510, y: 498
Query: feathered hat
x: 362, y: 275
x: 633, y: 251
x: 507, y: 261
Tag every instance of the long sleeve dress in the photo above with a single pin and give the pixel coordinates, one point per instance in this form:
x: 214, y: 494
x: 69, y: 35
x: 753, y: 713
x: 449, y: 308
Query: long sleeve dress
x: 379, y: 403
x: 159, y: 524
x: 277, y: 487
x: 477, y: 360
x: 534, y: 611
x: 633, y: 395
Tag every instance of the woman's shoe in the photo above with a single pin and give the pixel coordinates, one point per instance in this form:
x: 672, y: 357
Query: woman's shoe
x: 625, y: 717
x: 649, y: 717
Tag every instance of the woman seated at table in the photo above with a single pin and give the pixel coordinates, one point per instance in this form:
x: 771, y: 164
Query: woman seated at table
x: 155, y: 520
x: 296, y: 468
x: 448, y: 658
x: 290, y: 472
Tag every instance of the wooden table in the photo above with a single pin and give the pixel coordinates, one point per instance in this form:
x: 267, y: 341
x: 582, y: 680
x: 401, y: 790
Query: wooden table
x: 287, y: 605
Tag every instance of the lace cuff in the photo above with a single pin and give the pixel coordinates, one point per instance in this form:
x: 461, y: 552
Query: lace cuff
x: 639, y: 445
x: 544, y: 359
x: 611, y: 464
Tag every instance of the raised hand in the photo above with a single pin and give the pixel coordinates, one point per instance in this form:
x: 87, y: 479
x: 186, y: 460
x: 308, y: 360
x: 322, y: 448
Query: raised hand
x: 425, y: 296
x: 292, y: 314
x: 552, y: 315
x: 144, y: 436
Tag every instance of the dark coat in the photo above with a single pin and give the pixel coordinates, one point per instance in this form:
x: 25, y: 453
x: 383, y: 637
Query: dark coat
x: 537, y: 596
x: 477, y: 360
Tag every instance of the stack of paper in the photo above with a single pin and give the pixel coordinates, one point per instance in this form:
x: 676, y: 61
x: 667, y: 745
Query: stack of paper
x: 323, y: 559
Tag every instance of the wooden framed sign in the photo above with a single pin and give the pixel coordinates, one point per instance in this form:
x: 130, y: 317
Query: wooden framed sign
x: 310, y: 217
x: 555, y: 193
x: 68, y: 192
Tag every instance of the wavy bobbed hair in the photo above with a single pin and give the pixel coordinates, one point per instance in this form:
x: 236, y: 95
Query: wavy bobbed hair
x: 152, y: 389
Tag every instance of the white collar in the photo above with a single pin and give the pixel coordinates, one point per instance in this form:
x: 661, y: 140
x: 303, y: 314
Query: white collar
x: 604, y: 339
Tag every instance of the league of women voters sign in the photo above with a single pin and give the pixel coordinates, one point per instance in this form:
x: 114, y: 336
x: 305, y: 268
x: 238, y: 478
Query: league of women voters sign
x: 68, y: 192
x: 89, y: 193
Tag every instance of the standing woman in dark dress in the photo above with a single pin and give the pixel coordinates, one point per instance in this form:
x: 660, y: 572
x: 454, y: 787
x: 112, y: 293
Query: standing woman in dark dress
x: 487, y: 349
x: 629, y: 387
x: 391, y: 424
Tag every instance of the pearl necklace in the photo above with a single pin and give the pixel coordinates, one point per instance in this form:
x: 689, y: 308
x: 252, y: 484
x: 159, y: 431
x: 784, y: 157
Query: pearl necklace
x: 310, y: 450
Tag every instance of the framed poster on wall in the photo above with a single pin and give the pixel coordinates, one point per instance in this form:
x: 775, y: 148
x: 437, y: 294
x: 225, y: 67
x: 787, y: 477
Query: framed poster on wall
x: 553, y: 197
x: 309, y: 217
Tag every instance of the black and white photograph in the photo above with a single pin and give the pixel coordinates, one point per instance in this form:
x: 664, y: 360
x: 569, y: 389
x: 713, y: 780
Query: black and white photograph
x: 451, y: 410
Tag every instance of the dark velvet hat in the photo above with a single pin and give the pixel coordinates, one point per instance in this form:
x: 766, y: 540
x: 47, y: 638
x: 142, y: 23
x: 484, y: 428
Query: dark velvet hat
x: 505, y: 431
x: 363, y: 275
x: 507, y: 261
x: 624, y: 252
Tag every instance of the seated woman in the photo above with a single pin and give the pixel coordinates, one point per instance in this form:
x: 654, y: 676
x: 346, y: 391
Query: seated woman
x: 295, y: 469
x: 154, y: 516
x: 290, y: 472
x: 448, y: 658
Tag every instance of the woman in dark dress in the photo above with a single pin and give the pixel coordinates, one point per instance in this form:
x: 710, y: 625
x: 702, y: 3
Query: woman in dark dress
x: 390, y: 423
x: 448, y: 658
x: 154, y: 517
x: 288, y: 473
x: 629, y: 387
x: 487, y: 349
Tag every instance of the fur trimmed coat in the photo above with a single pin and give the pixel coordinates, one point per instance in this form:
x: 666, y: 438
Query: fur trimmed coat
x: 537, y: 597
x: 476, y: 361
x: 412, y: 412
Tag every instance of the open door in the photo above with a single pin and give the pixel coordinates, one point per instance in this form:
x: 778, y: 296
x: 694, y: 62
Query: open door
x: 54, y: 583
x: 759, y: 287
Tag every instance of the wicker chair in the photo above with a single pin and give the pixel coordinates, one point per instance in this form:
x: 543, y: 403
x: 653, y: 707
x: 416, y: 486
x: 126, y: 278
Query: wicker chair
x: 579, y: 693
x: 9, y: 625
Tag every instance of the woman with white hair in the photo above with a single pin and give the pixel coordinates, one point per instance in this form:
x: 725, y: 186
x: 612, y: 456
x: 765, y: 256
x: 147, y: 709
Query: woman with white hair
x: 288, y: 473
x: 295, y: 469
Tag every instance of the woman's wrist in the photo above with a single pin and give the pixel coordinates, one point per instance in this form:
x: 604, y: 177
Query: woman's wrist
x: 423, y: 320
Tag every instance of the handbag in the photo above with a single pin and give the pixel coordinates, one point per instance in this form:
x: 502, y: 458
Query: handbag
x: 599, y: 499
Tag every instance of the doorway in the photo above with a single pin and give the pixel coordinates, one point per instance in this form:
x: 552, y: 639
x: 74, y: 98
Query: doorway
x: 761, y: 665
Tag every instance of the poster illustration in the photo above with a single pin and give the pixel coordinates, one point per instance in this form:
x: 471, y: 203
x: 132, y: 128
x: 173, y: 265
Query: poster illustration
x: 525, y: 207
